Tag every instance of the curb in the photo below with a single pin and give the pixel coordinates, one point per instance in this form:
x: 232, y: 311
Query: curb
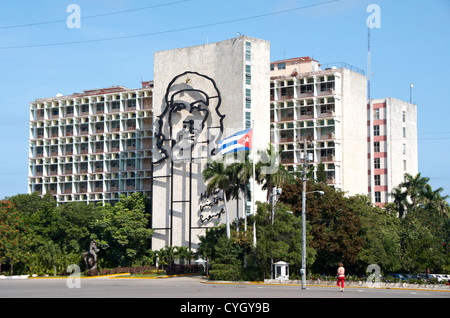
x: 156, y: 277
x: 320, y: 285
x: 112, y: 276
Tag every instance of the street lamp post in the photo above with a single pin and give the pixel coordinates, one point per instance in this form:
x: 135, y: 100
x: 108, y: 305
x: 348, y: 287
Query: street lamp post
x: 305, y: 165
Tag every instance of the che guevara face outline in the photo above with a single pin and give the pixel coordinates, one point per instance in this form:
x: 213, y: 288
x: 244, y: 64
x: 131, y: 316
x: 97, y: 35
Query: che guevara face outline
x: 181, y: 97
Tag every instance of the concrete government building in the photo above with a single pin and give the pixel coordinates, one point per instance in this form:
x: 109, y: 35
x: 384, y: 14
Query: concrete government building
x: 157, y: 139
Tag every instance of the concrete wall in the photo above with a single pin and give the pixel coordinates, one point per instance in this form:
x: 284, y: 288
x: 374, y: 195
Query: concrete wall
x: 354, y: 132
x: 402, y: 149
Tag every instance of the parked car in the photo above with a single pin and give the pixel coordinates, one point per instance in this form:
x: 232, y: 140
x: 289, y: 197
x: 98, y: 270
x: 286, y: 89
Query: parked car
x: 397, y: 276
x: 425, y: 277
x: 442, y: 278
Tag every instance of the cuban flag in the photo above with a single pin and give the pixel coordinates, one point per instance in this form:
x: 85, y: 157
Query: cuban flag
x: 238, y: 142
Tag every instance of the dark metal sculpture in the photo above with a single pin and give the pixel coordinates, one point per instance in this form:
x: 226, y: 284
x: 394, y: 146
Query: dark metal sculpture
x: 90, y: 258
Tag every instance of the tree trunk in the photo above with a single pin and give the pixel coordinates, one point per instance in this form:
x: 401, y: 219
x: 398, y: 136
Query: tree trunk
x: 227, y: 219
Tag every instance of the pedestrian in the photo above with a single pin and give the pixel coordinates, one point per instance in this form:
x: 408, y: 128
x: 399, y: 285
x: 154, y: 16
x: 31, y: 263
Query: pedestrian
x: 341, y: 277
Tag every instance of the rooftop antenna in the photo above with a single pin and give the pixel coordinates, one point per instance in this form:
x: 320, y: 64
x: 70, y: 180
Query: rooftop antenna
x: 369, y: 74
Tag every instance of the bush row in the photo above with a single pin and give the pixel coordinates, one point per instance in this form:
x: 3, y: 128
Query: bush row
x: 170, y: 270
x: 229, y: 272
x: 122, y: 270
x: 182, y: 269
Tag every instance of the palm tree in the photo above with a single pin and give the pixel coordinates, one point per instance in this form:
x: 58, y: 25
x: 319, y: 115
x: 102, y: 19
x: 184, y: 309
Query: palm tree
x: 184, y: 254
x: 240, y: 174
x: 269, y: 172
x: 433, y: 199
x: 415, y: 186
x: 399, y: 197
x: 218, y: 178
x: 166, y: 255
x: 415, y: 193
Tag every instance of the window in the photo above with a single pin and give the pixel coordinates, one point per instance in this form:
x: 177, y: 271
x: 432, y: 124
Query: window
x: 248, y: 121
x: 377, y: 179
x: 404, y: 132
x: 115, y: 105
x: 131, y: 103
x: 404, y: 148
x: 281, y: 66
x: 248, y: 46
x: 404, y: 165
x: 377, y: 196
x: 306, y: 89
x: 376, y: 113
x: 272, y: 67
x: 376, y: 163
x: 376, y: 130
x: 404, y: 116
x: 327, y: 86
x: 376, y: 146
x: 248, y: 98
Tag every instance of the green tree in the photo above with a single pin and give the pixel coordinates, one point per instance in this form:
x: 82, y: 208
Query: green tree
x: 166, y: 256
x: 184, y: 254
x: 122, y: 231
x: 75, y: 223
x: 15, y: 240
x: 380, y: 232
x: 240, y: 174
x: 39, y: 213
x: 49, y: 258
x: 334, y: 224
x: 282, y: 240
x: 209, y: 241
x: 269, y: 173
x: 218, y: 177
x: 420, y: 249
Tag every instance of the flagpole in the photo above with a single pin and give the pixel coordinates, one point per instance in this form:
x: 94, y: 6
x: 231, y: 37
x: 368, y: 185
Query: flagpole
x: 253, y: 192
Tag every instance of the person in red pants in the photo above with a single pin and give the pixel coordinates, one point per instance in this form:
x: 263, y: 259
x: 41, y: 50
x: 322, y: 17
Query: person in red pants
x: 341, y: 277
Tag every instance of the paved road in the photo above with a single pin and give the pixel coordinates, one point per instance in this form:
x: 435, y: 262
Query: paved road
x: 194, y: 291
x: 189, y: 287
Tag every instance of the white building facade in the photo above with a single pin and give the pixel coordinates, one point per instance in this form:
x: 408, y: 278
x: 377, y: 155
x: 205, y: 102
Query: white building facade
x: 327, y: 107
x: 392, y: 146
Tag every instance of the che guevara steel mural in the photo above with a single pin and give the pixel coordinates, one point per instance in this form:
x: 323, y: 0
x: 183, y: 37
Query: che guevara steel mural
x: 190, y: 118
x: 198, y: 94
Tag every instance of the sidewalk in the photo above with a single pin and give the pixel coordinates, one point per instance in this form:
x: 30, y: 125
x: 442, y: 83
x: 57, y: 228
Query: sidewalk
x: 360, y: 284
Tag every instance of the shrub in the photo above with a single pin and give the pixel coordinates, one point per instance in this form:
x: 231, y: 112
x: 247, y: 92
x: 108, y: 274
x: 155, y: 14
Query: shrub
x: 226, y: 272
x: 182, y: 269
x: 131, y: 270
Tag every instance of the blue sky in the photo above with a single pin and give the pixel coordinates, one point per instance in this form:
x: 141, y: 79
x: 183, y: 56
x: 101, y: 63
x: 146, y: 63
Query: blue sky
x: 40, y: 56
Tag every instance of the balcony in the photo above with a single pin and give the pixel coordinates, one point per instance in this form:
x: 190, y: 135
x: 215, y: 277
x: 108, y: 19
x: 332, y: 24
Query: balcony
x: 287, y: 139
x: 287, y: 161
x: 326, y: 136
x: 327, y: 158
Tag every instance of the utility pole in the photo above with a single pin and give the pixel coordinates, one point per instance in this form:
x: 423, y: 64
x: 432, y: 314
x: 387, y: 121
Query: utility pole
x: 305, y: 164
